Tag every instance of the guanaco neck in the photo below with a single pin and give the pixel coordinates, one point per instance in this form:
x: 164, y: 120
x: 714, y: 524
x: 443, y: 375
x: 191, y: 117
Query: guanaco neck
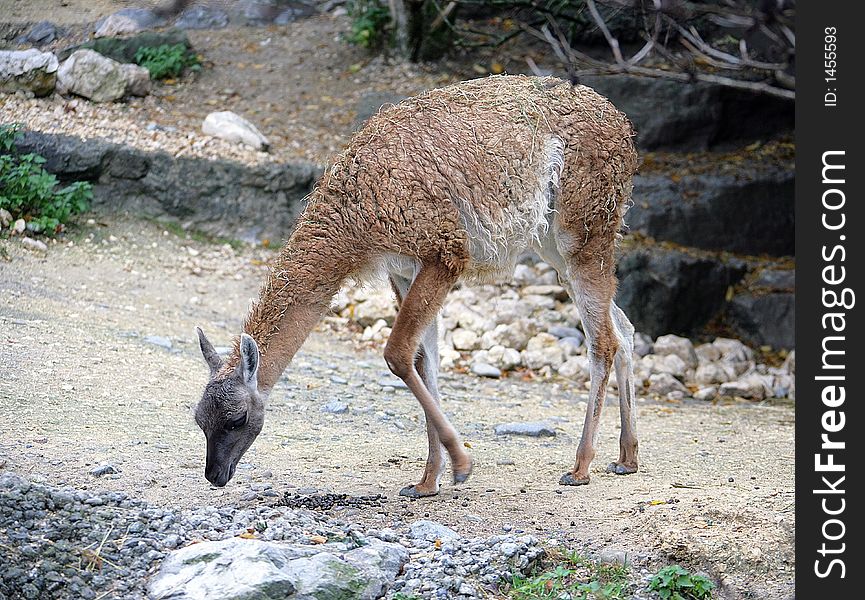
x: 308, y: 272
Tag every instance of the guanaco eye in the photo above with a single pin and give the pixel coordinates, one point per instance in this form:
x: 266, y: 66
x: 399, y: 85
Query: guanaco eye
x: 237, y: 423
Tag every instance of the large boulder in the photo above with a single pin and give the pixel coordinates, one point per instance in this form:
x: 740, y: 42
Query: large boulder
x: 670, y: 291
x: 764, y: 319
x: 693, y: 116
x: 747, y: 210
x: 95, y: 77
x: 236, y: 569
x: 28, y: 70
x: 123, y: 49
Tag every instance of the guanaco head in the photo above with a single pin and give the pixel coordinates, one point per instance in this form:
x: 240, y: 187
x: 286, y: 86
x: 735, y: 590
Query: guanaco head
x: 231, y: 411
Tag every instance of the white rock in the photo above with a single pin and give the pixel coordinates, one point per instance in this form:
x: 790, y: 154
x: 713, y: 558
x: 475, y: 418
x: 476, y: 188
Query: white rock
x: 5, y: 217
x: 137, y: 79
x: 707, y: 353
x: 525, y: 275
x: 576, y: 367
x: 670, y: 363
x: 28, y: 70
x: 667, y: 345
x: 543, y: 350
x: 733, y: 350
x: 374, y: 307
x: 715, y: 372
x: 510, y: 310
x: 89, y: 74
x: 483, y: 369
x: 642, y: 344
x: 664, y: 383
x: 464, y: 339
x: 538, y: 302
x: 503, y: 358
x: 19, y: 226
x: 706, y: 394
x: 432, y: 531
x: 234, y: 128
x: 37, y: 245
x: 514, y: 335
x: 750, y: 387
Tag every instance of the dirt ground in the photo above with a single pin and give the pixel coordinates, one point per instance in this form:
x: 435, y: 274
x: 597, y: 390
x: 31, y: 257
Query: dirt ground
x: 81, y: 385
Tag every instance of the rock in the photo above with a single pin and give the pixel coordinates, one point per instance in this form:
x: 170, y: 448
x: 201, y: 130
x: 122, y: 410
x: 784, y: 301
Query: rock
x: 483, y: 369
x: 234, y: 128
x: 372, y: 307
x: 537, y: 429
x: 236, y: 568
x: 670, y: 114
x: 515, y: 335
x: 556, y: 291
x: 751, y: 387
x: 42, y: 33
x: 123, y: 50
x: 5, y: 218
x: 776, y: 280
x: 28, y: 70
x: 158, y: 340
x: 89, y: 74
x: 764, y: 319
x: 464, y: 339
x: 575, y: 367
x: 707, y: 353
x: 642, y: 344
x: 31, y: 244
x: 790, y: 363
x: 674, y: 345
x: 665, y: 291
x: 705, y: 210
x: 709, y: 373
x: 664, y: 383
x: 222, y: 198
x: 137, y: 80
x: 202, y: 17
x: 104, y: 469
x: 335, y: 407
x: 499, y: 357
x: 571, y: 346
x: 19, y: 226
x: 298, y: 10
x: 733, y: 351
x: 561, y: 331
x: 431, y: 531
x: 525, y: 275
x: 670, y: 364
x: 706, y: 394
x: 543, y: 349
x: 127, y: 20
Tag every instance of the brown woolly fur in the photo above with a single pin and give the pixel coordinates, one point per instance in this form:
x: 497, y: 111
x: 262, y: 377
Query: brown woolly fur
x: 455, y: 183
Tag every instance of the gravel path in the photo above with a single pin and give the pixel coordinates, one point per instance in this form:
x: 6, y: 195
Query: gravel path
x: 102, y: 367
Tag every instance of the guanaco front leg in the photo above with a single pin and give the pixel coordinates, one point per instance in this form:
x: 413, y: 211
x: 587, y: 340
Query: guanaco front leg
x: 417, y: 311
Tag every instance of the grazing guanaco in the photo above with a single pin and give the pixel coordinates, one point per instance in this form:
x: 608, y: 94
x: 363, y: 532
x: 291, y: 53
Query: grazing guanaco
x: 452, y: 184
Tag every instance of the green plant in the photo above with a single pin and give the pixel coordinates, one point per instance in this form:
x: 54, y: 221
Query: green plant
x: 571, y: 576
x: 677, y: 583
x: 167, y: 61
x: 30, y: 192
x: 370, y: 23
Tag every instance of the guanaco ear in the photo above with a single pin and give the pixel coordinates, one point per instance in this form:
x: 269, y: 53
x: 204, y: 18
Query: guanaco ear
x: 249, y: 356
x: 209, y: 352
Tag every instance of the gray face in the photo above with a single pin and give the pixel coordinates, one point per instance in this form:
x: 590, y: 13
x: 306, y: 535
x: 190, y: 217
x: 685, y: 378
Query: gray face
x: 231, y: 411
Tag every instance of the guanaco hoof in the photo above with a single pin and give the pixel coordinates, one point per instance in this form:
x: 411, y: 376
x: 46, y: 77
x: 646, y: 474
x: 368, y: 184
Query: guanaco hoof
x: 462, y: 477
x: 620, y: 469
x: 569, y: 479
x: 411, y: 491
